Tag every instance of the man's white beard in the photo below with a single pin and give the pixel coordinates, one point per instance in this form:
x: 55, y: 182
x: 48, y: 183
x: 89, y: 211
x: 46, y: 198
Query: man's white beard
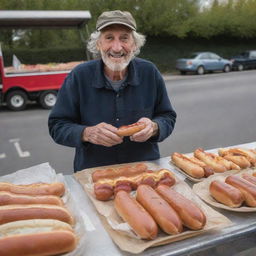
x: 116, y: 66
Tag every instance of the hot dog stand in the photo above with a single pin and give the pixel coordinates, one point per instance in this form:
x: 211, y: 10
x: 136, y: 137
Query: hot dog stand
x: 232, y: 233
x: 36, y: 82
x: 238, y: 237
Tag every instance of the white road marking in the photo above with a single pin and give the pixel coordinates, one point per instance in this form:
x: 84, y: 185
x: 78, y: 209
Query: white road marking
x: 3, y: 155
x: 18, y: 148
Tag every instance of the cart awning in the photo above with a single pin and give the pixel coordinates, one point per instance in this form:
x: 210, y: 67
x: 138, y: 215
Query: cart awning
x: 43, y: 19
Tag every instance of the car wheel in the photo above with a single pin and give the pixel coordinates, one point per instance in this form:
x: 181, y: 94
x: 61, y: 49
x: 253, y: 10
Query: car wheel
x: 183, y: 72
x: 48, y: 99
x: 226, y: 68
x: 200, y: 70
x: 240, y: 67
x: 16, y: 100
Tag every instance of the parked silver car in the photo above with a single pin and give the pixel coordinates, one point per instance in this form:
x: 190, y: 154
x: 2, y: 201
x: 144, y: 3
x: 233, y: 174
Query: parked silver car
x: 200, y: 62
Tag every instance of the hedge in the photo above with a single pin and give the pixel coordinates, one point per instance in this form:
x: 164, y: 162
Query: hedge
x: 162, y: 51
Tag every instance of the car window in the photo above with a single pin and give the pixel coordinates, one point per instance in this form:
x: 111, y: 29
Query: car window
x: 214, y: 56
x: 253, y: 54
x: 204, y: 56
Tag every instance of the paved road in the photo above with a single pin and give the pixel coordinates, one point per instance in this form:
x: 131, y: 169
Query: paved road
x: 214, y: 110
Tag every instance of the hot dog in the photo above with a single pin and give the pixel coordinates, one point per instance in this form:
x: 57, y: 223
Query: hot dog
x: 128, y: 130
x: 159, y: 209
x: 227, y: 163
x: 124, y: 171
x: 191, y: 215
x: 56, y: 189
x: 106, y: 188
x: 36, y: 238
x: 209, y: 159
x: 238, y: 159
x: 208, y: 171
x: 135, y: 215
x: 246, y: 188
x: 11, y: 213
x: 226, y: 194
x: 251, y: 157
x: 249, y: 178
x: 187, y: 165
x: 7, y: 198
x: 103, y: 192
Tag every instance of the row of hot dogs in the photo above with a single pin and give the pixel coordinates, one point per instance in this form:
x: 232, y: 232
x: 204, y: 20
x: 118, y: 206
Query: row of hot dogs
x: 34, y: 220
x: 235, y: 190
x: 155, y: 204
x: 203, y: 164
x: 107, y: 182
x: 163, y: 207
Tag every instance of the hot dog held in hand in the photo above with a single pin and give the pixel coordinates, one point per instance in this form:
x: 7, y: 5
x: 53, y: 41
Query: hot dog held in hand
x: 140, y: 131
x: 130, y: 129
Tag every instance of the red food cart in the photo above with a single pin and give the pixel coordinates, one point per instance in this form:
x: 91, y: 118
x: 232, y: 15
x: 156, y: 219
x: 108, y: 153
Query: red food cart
x: 36, y: 82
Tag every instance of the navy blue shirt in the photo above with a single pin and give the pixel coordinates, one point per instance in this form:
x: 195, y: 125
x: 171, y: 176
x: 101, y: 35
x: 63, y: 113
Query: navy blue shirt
x: 87, y: 99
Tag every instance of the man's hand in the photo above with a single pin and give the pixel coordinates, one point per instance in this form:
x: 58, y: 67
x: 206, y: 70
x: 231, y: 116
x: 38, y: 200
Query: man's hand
x: 102, y: 134
x: 150, y: 130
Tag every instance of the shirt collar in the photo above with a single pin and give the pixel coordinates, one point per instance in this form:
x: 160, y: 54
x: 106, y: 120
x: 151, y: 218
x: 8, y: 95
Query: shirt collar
x: 100, y: 81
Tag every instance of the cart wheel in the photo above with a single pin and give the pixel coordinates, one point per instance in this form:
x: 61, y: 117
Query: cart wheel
x: 48, y: 99
x: 16, y: 100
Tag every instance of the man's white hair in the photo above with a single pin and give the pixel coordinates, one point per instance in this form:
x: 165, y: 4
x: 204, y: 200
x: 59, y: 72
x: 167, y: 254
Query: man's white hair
x: 139, y: 40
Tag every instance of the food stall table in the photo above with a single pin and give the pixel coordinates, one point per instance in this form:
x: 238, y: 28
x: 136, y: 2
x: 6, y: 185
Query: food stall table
x: 232, y: 240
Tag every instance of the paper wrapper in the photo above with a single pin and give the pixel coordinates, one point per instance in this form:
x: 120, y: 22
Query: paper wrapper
x: 44, y: 173
x: 202, y: 190
x: 123, y: 235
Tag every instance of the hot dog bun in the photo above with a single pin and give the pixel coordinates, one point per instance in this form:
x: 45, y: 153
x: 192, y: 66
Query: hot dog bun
x: 209, y: 159
x: 246, y: 188
x: 11, y: 213
x: 135, y: 215
x: 36, y: 238
x: 187, y: 165
x: 207, y: 169
x: 128, y: 130
x: 124, y: 171
x: 227, y: 163
x: 7, y: 198
x: 226, y: 194
x: 250, y: 155
x: 249, y: 178
x: 238, y: 159
x: 191, y: 215
x: 56, y: 189
x: 159, y: 209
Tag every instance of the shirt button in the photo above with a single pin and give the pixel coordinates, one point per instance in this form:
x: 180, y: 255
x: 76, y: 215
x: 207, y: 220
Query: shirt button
x: 117, y: 119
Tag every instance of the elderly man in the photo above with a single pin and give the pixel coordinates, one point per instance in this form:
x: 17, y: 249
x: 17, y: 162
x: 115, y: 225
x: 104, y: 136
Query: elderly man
x: 114, y: 90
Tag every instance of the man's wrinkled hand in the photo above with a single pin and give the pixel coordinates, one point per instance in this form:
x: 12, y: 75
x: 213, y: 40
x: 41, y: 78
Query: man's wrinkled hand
x: 150, y: 130
x: 102, y: 134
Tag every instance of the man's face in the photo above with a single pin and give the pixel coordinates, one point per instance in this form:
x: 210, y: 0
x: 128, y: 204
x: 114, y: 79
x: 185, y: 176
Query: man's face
x: 116, y: 45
